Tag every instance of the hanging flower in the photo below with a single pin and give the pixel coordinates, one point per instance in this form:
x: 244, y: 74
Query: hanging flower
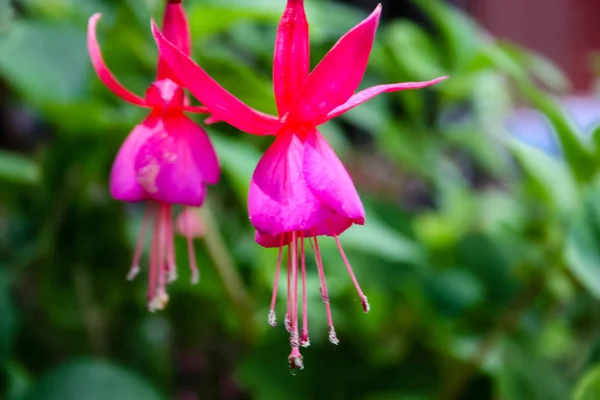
x: 300, y: 190
x: 167, y: 159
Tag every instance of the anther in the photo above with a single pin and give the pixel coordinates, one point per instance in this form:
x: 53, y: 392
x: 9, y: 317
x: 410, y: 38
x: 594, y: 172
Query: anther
x: 333, y: 337
x: 365, y: 304
x: 295, y: 359
x: 133, y: 272
x: 304, y: 341
x: 272, y: 318
x: 195, y: 275
x: 172, y: 274
x: 159, y: 302
x: 287, y: 323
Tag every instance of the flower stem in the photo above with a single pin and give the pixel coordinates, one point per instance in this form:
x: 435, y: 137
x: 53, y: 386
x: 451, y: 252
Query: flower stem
x: 232, y: 281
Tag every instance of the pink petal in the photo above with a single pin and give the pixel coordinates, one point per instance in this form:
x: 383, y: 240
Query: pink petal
x: 166, y: 166
x: 371, y: 92
x: 196, y: 109
x: 333, y: 224
x: 327, y: 179
x: 102, y: 70
x: 124, y: 183
x: 291, y: 61
x: 338, y: 75
x: 279, y: 200
x: 202, y: 150
x: 176, y: 30
x: 189, y: 223
x: 222, y: 103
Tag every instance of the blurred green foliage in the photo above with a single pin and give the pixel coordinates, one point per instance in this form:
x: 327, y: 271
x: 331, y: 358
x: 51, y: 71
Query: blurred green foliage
x: 480, y: 256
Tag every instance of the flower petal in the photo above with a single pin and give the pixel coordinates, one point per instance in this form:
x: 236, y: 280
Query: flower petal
x: 124, y: 184
x: 338, y: 75
x: 291, y: 61
x: 222, y: 103
x: 327, y: 178
x: 189, y: 223
x: 168, y: 164
x: 196, y: 109
x: 202, y: 150
x: 368, y: 94
x: 279, y: 200
x: 102, y: 70
x: 176, y: 30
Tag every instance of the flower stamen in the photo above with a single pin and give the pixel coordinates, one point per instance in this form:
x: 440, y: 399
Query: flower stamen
x: 135, y: 265
x: 295, y: 359
x: 272, y: 315
x: 294, y: 337
x: 288, y: 322
x: 304, y: 340
x: 324, y: 294
x: 171, y: 267
x: 191, y: 254
x: 365, y: 303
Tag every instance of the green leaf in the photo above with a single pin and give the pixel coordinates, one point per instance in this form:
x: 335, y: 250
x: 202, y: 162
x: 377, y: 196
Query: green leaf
x: 91, y: 380
x: 238, y: 160
x: 379, y: 240
x: 583, y: 243
x: 549, y: 177
x: 6, y: 15
x: 216, y: 16
x: 412, y: 50
x: 8, y: 318
x: 18, y: 169
x: 29, y: 62
x: 458, y: 31
x: 588, y: 388
x: 538, y: 66
x: 578, y: 154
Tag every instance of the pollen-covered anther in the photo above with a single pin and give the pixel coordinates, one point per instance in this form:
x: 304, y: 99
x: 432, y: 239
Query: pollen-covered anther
x: 172, y: 274
x: 159, y: 302
x: 272, y: 318
x: 304, y: 341
x: 295, y: 359
x: 333, y: 337
x: 195, y: 276
x: 133, y: 272
x: 365, y: 304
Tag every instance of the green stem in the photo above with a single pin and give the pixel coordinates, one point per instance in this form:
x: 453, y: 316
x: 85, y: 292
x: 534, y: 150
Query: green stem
x: 232, y: 280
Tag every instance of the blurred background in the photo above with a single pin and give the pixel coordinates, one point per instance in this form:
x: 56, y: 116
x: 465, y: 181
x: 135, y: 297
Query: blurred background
x: 481, y: 251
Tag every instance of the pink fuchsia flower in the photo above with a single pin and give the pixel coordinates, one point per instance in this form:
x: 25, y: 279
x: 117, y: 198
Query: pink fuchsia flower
x: 167, y: 159
x: 300, y: 190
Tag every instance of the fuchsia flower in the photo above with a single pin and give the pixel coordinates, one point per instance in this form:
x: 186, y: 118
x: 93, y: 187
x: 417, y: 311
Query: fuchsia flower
x: 166, y: 159
x: 300, y: 189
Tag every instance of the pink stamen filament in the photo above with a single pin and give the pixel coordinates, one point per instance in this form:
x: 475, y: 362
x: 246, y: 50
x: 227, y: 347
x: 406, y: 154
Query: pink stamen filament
x: 272, y: 315
x: 162, y: 249
x: 363, y: 298
x: 324, y: 294
x: 191, y: 254
x: 154, y: 262
x: 294, y: 338
x: 171, y: 267
x: 135, y: 265
x: 304, y: 340
x: 288, y: 321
